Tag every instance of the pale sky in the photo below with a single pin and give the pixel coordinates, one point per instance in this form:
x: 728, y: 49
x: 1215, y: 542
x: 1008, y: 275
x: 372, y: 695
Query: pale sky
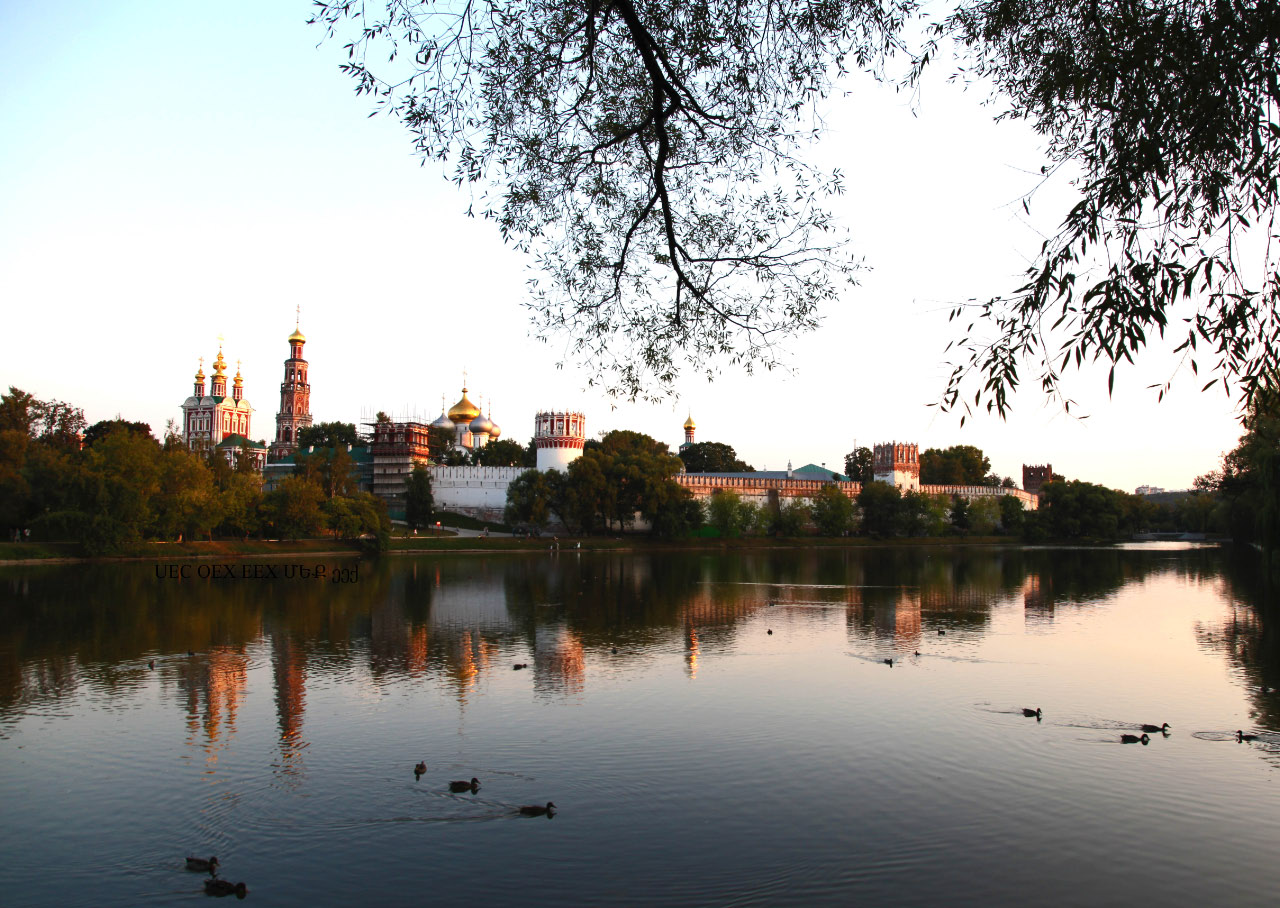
x: 171, y: 172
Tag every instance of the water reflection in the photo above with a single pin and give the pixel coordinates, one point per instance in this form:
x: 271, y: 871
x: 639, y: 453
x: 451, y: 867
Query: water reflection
x: 300, y: 708
x: 461, y: 619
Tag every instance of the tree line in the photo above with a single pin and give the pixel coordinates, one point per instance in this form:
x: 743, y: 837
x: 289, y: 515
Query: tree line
x: 112, y: 486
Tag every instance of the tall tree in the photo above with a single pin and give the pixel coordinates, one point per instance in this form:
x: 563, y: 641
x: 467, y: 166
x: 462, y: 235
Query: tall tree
x: 500, y: 453
x: 712, y: 457
x: 859, y: 465
x: 962, y: 465
x: 328, y: 435
x: 420, y: 503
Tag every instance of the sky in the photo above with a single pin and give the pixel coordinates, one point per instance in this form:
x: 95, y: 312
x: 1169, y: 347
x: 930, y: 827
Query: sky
x: 172, y: 172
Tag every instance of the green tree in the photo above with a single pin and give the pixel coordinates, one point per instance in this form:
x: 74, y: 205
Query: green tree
x: 859, y: 465
x: 1011, y: 514
x: 1075, y: 510
x: 99, y: 429
x: 240, y: 504
x: 881, y: 507
x: 959, y: 465
x: 420, y: 503
x: 832, y: 511
x: 292, y: 510
x: 960, y: 514
x: 790, y: 518
x: 500, y: 453
x: 186, y: 503
x: 728, y: 513
x: 984, y: 515
x: 712, y: 457
x: 531, y: 498
x: 328, y: 435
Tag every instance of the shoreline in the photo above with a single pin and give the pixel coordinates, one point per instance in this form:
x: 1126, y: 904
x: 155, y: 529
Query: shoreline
x: 56, y: 553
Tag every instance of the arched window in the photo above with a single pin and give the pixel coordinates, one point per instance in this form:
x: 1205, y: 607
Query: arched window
x: 288, y: 435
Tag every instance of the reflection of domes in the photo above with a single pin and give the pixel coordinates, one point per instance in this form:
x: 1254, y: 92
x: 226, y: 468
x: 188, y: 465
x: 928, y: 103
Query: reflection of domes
x: 464, y: 410
x: 482, y: 424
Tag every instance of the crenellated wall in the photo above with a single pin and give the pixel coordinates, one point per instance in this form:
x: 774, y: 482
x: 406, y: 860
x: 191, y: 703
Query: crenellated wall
x: 479, y: 492
x: 763, y: 490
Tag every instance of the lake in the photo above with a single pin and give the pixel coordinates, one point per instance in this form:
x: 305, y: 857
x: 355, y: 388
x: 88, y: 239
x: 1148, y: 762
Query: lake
x: 714, y: 728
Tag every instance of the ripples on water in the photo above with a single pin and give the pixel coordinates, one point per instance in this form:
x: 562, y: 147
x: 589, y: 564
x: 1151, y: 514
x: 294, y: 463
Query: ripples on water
x: 696, y: 759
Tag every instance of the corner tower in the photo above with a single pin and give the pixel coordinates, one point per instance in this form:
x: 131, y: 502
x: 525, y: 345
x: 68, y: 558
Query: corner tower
x: 897, y: 464
x: 559, y: 437
x: 295, y: 399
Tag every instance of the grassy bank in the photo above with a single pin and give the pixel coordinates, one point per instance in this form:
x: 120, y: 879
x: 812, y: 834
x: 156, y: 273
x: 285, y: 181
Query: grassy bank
x: 232, y: 549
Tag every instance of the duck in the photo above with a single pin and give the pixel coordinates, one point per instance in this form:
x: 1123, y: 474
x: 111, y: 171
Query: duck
x: 888, y: 662
x: 202, y: 865
x: 1031, y: 713
x: 471, y: 786
x: 770, y: 630
x: 222, y: 888
x: 1163, y: 729
x: 519, y: 665
x: 1241, y: 736
x: 917, y: 652
x: 942, y: 633
x: 1134, y: 739
x: 535, y: 810
x: 420, y: 768
x: 615, y: 651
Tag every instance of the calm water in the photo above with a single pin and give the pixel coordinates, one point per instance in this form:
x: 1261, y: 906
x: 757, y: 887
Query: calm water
x: 707, y: 761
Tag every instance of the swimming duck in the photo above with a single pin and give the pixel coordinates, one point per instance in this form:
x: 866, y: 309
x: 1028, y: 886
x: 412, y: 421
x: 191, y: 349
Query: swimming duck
x: 519, y: 665
x: 1133, y: 739
x: 942, y: 633
x: 471, y: 786
x: 533, y: 810
x: 888, y: 662
x: 1241, y: 736
x: 200, y: 864
x: 770, y: 630
x: 1163, y: 729
x: 222, y: 888
x: 1031, y: 713
x: 420, y: 768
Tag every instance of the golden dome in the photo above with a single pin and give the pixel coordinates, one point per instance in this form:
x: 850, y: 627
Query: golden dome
x: 689, y: 423
x: 464, y: 410
x: 219, y: 364
x: 200, y: 373
x: 297, y: 336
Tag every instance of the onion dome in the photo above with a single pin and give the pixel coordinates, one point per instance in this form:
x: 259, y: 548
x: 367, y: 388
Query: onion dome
x: 443, y: 422
x: 464, y: 410
x: 219, y: 364
x: 482, y: 424
x: 494, y: 431
x: 689, y: 423
x: 297, y: 337
x: 200, y: 373
x: 237, y: 381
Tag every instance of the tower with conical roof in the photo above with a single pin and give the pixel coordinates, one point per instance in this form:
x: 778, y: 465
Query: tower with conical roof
x: 295, y: 398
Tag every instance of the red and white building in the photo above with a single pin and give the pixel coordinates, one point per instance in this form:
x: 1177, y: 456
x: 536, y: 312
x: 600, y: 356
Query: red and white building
x: 218, y: 420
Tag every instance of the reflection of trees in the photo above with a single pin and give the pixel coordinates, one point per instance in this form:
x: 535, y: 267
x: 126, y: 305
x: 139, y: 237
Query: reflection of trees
x: 455, y: 619
x: 1248, y: 637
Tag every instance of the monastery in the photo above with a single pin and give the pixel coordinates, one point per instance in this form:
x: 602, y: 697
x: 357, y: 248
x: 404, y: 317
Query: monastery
x: 222, y: 421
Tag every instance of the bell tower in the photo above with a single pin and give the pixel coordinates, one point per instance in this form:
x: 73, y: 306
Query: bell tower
x: 295, y: 397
